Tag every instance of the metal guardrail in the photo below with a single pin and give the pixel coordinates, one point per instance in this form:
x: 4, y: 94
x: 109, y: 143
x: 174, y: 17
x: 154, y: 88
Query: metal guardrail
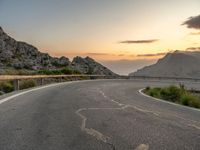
x: 23, y: 77
x: 166, y: 78
x: 16, y: 78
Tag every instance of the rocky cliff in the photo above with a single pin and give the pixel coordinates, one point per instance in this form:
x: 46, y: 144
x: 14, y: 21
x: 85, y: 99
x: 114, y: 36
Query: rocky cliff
x: 20, y: 55
x: 89, y: 66
x: 174, y: 64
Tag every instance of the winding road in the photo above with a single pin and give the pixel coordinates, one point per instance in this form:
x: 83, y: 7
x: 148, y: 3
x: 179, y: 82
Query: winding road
x: 96, y: 115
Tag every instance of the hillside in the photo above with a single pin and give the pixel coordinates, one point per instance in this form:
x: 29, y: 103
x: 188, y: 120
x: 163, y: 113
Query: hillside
x: 18, y: 55
x: 174, y: 64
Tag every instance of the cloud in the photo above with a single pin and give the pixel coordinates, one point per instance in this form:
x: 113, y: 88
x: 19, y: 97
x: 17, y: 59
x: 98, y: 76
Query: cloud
x: 139, y: 41
x: 99, y: 54
x: 193, y: 22
x: 193, y: 49
x: 195, y: 33
x: 151, y: 55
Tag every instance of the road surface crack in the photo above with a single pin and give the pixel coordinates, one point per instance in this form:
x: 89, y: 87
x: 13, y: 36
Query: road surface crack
x: 98, y: 135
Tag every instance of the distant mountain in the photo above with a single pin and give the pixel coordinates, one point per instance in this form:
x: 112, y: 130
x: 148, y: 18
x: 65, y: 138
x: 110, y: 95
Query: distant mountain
x: 20, y: 55
x: 174, y: 64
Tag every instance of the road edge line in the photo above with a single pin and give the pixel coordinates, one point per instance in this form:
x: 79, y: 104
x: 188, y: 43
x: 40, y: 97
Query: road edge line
x: 3, y: 100
x: 164, y: 101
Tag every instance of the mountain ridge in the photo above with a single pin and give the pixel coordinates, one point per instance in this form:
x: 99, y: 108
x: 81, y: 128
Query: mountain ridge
x: 174, y: 64
x: 21, y: 55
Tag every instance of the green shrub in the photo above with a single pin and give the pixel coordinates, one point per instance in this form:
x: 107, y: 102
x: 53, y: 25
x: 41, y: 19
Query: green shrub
x: 155, y: 92
x: 190, y: 100
x: 1, y: 92
x: 185, y: 100
x: 194, y: 101
x: 59, y: 71
x: 147, y: 88
x: 6, y: 86
x: 175, y: 94
x: 24, y: 84
x: 171, y: 93
x: 76, y: 72
x: 67, y: 71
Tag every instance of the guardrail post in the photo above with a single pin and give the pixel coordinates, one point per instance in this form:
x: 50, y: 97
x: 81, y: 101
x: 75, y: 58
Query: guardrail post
x: 16, y: 84
x: 41, y: 81
x: 59, y: 79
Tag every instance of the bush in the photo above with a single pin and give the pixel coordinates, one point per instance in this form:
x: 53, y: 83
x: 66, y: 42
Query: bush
x: 175, y: 94
x: 190, y: 100
x: 24, y: 84
x: 185, y: 100
x: 171, y: 93
x: 59, y: 71
x: 1, y: 92
x: 6, y: 86
x: 152, y: 91
x: 67, y: 71
x: 76, y: 72
x: 147, y: 88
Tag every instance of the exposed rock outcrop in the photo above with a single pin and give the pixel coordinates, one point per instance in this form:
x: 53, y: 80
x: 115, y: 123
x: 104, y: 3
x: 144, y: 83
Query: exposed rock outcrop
x: 20, y: 55
x: 90, y: 66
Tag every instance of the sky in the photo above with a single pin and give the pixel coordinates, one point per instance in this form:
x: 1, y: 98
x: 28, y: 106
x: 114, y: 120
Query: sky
x: 124, y: 35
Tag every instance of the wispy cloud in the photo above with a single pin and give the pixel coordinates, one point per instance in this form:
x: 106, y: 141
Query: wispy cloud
x: 99, y: 54
x: 193, y: 49
x: 151, y: 55
x: 121, y: 55
x: 195, y: 33
x: 193, y: 22
x: 139, y: 41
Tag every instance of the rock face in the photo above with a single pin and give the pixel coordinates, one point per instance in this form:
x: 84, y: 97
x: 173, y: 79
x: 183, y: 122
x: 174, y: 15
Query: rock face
x: 175, y: 64
x: 20, y: 55
x: 89, y: 66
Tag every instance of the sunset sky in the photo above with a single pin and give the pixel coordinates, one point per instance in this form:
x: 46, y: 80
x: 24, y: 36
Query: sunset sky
x: 122, y: 34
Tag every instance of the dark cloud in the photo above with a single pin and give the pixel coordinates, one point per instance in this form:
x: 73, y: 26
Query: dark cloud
x: 193, y: 49
x: 193, y: 22
x: 139, y: 41
x: 151, y: 55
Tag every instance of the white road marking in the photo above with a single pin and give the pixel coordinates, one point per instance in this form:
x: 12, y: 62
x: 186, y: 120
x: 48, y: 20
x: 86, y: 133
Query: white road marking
x: 195, y: 126
x: 164, y: 101
x: 142, y: 147
x: 39, y: 88
x: 98, y: 135
x: 130, y: 106
x: 31, y: 90
x: 50, y: 85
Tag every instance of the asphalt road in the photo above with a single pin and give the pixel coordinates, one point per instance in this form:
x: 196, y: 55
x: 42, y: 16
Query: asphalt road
x: 97, y: 115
